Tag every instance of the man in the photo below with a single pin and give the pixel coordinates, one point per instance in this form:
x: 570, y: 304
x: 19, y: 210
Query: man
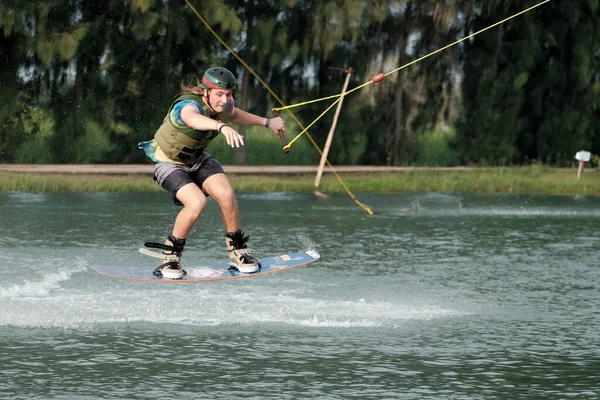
x: 190, y: 174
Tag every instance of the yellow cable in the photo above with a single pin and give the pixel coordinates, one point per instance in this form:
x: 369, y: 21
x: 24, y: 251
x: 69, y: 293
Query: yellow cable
x: 306, y: 102
x: 339, y: 96
x: 316, y: 119
x: 418, y: 59
x: 364, y: 206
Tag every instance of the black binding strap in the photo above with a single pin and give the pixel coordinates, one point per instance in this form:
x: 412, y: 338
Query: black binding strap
x: 238, y: 239
x: 177, y: 246
x: 161, y: 246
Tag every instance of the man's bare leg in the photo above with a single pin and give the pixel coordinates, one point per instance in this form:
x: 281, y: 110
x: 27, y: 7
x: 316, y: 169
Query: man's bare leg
x: 219, y: 188
x: 194, y: 201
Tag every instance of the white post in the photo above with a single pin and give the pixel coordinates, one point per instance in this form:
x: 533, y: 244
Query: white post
x: 581, y: 166
x: 582, y: 157
x: 331, y: 131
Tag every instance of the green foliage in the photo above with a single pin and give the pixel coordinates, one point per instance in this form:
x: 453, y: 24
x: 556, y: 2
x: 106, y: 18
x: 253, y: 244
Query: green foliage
x: 145, y: 23
x: 521, y: 80
x: 87, y: 80
x: 8, y: 19
x: 434, y: 148
x: 141, y: 5
x: 38, y: 131
x: 27, y: 133
x: 349, y: 145
x: 91, y: 147
x: 45, y: 50
x: 524, y: 99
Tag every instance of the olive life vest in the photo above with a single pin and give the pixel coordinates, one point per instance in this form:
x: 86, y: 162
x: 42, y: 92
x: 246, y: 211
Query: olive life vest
x: 184, y: 144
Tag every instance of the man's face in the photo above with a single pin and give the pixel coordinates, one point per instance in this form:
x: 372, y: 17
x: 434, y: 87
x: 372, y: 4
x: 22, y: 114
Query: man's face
x: 219, y: 98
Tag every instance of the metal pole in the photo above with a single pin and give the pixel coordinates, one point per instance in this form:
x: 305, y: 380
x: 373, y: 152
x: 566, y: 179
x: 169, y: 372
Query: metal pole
x: 332, y: 130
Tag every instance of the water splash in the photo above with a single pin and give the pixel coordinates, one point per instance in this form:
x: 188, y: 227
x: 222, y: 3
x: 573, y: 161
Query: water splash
x: 39, y: 288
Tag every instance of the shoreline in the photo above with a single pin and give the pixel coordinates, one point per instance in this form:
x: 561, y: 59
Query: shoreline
x: 113, y: 169
x: 534, y: 179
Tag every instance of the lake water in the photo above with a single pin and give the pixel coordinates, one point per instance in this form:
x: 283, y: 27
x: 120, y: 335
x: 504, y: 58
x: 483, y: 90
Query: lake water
x: 436, y: 296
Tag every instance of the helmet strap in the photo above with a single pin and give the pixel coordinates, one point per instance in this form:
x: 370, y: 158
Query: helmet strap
x: 207, y: 99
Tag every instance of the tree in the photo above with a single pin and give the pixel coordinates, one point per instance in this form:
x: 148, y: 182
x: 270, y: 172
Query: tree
x: 531, y: 87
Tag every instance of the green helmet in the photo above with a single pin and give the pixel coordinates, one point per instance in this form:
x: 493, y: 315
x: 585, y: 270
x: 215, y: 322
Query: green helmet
x: 218, y: 78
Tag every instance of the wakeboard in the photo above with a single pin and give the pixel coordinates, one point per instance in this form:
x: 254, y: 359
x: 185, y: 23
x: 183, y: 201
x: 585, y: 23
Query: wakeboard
x: 213, y: 271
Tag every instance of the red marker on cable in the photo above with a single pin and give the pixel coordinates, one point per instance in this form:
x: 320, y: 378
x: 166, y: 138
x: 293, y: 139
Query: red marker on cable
x: 378, y: 78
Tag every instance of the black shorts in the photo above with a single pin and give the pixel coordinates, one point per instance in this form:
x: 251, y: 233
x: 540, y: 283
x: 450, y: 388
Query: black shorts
x: 173, y: 177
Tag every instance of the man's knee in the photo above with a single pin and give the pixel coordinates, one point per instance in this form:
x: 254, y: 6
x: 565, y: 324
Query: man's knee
x: 226, y: 198
x: 195, y: 206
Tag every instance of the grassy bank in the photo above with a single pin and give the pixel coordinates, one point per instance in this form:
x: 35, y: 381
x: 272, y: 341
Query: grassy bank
x: 523, y: 180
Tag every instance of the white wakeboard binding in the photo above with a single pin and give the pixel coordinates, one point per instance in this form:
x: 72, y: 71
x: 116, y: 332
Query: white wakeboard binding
x: 239, y: 255
x: 170, y: 260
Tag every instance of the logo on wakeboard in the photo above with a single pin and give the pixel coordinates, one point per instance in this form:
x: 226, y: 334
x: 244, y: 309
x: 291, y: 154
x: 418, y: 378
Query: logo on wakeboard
x: 272, y: 267
x: 204, y: 272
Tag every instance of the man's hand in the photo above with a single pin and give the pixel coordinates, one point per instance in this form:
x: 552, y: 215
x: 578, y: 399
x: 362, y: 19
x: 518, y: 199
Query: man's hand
x: 277, y: 125
x: 233, y: 138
